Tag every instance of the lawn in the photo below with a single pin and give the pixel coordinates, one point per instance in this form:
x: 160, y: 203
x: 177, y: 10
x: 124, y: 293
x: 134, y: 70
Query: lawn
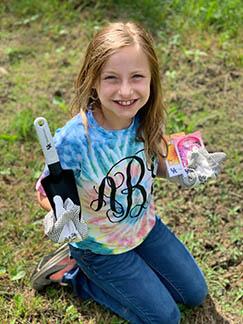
x: 199, y: 44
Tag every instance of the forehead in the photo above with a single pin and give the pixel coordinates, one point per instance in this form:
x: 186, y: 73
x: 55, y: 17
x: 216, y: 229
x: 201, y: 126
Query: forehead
x: 127, y: 58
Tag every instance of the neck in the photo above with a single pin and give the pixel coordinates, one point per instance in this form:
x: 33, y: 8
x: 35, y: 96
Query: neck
x: 108, y: 123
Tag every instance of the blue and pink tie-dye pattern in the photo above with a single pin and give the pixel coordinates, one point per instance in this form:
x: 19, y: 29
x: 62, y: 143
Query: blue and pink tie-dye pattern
x: 114, y: 183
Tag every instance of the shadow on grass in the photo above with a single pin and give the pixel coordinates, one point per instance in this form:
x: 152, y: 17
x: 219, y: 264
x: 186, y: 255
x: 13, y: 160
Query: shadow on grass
x: 205, y: 314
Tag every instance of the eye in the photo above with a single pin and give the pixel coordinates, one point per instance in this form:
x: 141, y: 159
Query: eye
x: 137, y: 76
x: 109, y: 77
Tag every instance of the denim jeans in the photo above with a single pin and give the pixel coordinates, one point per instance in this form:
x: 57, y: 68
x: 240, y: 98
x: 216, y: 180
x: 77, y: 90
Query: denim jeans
x: 145, y: 284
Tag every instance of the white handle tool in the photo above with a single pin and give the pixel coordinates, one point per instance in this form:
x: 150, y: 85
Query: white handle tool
x: 46, y: 140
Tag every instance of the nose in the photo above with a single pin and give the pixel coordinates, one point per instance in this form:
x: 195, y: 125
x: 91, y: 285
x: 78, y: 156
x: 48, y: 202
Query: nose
x: 125, y: 90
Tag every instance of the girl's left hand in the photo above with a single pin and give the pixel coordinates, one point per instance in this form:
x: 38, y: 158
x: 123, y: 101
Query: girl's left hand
x: 202, y: 166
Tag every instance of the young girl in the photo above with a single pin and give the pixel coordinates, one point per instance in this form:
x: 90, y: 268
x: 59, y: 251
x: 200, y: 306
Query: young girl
x: 130, y: 262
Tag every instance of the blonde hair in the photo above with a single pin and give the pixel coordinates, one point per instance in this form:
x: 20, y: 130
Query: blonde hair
x: 105, y: 43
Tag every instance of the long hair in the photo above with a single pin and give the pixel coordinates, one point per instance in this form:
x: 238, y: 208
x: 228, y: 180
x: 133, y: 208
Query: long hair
x: 105, y: 43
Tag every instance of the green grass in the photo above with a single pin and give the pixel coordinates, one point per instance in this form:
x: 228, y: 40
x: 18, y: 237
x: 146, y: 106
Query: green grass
x: 198, y: 44
x: 222, y: 16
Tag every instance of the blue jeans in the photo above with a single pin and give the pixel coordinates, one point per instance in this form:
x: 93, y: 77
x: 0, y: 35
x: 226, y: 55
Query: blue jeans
x: 145, y: 284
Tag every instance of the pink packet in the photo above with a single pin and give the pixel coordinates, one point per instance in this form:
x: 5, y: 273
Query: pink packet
x: 185, y: 145
x: 172, y: 161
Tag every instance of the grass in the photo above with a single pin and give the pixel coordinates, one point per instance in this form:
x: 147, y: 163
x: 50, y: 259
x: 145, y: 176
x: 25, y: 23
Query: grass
x: 198, y: 44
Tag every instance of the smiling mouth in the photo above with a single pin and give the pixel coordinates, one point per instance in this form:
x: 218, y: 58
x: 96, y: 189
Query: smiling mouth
x: 125, y: 103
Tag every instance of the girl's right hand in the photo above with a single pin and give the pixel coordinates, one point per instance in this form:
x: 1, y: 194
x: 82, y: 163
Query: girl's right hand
x: 66, y: 225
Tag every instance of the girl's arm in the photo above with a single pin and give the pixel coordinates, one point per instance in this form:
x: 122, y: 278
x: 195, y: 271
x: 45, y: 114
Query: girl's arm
x: 43, y: 201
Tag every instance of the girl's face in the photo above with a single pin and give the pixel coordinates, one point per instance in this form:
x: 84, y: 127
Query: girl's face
x: 123, y: 87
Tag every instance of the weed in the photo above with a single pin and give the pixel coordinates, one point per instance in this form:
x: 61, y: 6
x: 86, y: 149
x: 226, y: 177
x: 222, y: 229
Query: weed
x: 60, y: 102
x: 8, y: 137
x: 71, y: 313
x: 22, y: 125
x: 188, y: 238
x: 19, y: 305
x: 18, y: 274
x: 176, y: 119
x: 15, y: 54
x: 236, y: 235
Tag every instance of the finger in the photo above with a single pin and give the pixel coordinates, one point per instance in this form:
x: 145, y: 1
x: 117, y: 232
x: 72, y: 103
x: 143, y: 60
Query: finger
x: 62, y: 220
x: 218, y: 157
x: 68, y: 204
x: 58, y: 205
x: 71, y: 208
x: 49, y: 222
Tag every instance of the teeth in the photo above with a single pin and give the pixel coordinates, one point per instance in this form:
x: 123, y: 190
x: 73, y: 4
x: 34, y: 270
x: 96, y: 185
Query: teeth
x: 125, y: 102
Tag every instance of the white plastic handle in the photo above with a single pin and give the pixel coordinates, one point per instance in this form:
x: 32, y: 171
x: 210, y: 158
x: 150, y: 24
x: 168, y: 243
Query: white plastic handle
x: 46, y: 140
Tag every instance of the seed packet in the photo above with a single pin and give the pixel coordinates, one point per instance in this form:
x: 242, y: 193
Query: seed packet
x: 173, y: 163
x: 185, y: 145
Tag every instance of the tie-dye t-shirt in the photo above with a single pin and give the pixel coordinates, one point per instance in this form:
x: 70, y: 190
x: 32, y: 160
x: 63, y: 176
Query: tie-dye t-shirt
x: 114, y: 183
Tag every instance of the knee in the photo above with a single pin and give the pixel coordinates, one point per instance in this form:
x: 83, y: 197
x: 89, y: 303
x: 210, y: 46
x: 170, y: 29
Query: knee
x: 173, y: 316
x: 198, y: 293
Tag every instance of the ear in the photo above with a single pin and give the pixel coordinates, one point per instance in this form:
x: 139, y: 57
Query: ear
x: 94, y: 94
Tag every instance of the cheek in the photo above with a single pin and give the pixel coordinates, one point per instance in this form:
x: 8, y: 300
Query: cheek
x: 144, y: 88
x: 105, y: 91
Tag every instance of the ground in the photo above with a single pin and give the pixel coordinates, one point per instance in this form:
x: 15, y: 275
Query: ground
x: 202, y: 77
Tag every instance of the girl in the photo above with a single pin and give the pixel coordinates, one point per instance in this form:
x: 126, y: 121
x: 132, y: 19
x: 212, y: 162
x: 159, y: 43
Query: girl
x: 130, y: 262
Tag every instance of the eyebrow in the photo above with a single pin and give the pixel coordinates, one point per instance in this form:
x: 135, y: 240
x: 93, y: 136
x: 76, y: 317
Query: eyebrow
x: 108, y: 72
